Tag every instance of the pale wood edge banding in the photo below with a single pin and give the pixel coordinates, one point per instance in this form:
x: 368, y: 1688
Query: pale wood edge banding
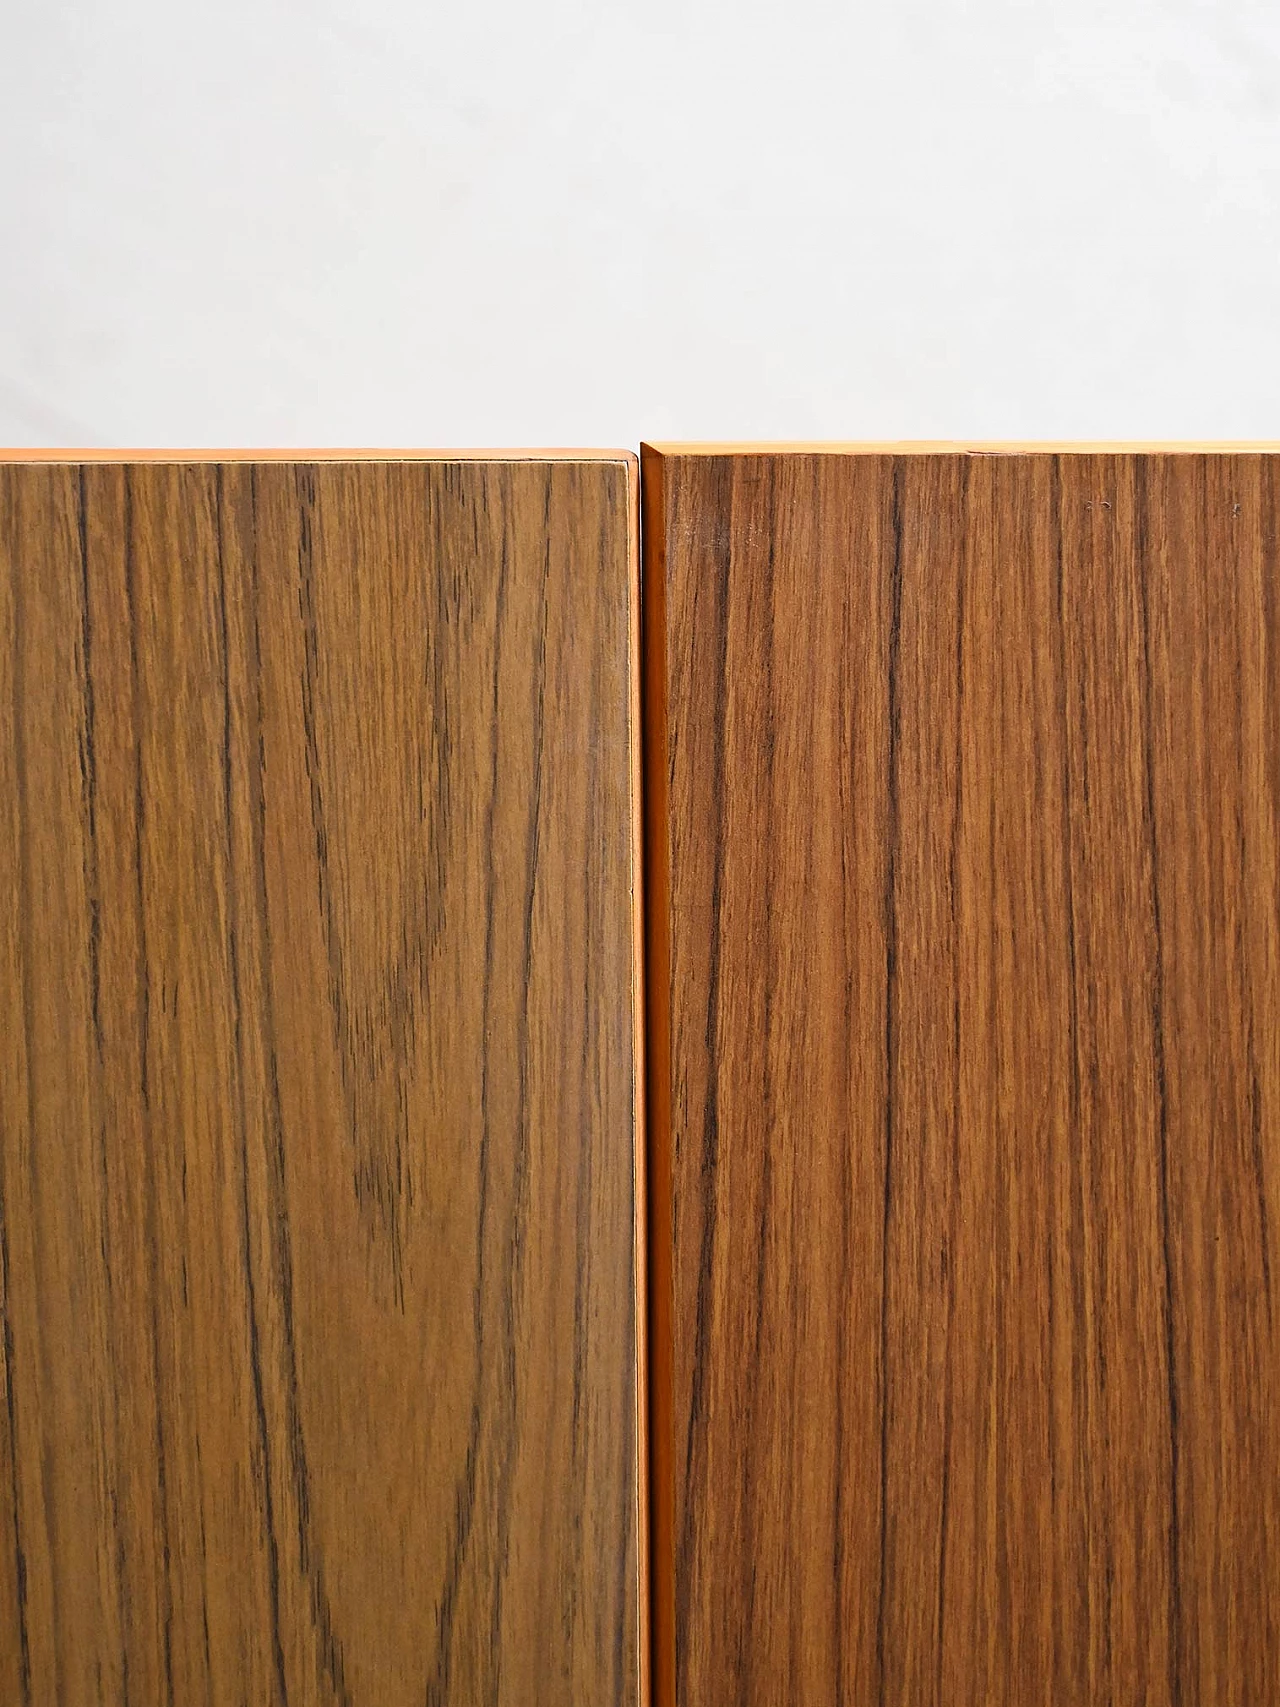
x: 305, y: 455
x: 962, y: 447
x: 639, y: 1057
x: 658, y: 1028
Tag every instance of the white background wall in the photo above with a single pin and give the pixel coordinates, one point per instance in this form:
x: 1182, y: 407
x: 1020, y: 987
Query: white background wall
x: 578, y: 222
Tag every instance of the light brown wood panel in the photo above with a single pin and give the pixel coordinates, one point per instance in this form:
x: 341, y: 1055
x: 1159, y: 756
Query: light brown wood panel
x: 319, y: 1083
x: 964, y: 847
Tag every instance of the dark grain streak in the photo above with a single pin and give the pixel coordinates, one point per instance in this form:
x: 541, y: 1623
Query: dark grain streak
x: 309, y: 1563
x: 953, y: 1211
x: 721, y: 569
x: 246, y: 1236
x: 465, y: 1500
x: 890, y: 1014
x: 143, y: 963
x: 1256, y: 1137
x: 1144, y: 567
x: 513, y: 1245
x: 1067, y: 844
x: 768, y: 1098
x: 93, y: 885
x: 847, y: 784
x: 90, y: 770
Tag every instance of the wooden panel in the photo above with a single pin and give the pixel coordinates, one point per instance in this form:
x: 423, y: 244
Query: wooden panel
x: 318, y: 1083
x: 964, y: 836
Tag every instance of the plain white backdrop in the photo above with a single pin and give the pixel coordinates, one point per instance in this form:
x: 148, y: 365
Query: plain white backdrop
x: 264, y: 222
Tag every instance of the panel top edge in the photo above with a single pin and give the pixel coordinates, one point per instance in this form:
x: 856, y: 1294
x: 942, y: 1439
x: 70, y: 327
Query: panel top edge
x: 963, y: 447
x: 307, y: 455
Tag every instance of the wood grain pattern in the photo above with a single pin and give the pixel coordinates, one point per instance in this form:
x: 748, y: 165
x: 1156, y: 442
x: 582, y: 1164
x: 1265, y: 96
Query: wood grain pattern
x: 965, y: 881
x: 318, y: 1079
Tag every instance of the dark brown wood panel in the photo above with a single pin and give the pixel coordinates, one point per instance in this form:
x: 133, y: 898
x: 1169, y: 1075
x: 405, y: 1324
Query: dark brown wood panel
x: 318, y: 1080
x: 964, y: 839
